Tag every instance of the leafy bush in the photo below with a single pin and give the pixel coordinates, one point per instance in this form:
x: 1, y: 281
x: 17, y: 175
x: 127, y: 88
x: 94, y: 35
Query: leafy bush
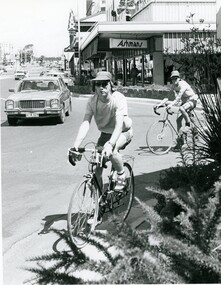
x: 201, y: 177
x: 183, y: 248
x: 211, y: 133
x: 152, y: 91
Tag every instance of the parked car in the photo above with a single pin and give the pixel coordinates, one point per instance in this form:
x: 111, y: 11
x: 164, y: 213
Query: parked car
x: 20, y: 74
x: 39, y: 97
x: 69, y: 80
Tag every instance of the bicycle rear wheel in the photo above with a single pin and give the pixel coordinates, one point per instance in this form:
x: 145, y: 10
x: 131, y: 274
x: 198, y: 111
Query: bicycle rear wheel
x: 83, y: 204
x: 122, y: 202
x: 160, y: 137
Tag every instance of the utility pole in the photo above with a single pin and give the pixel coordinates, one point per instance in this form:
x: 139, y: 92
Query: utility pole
x: 79, y: 42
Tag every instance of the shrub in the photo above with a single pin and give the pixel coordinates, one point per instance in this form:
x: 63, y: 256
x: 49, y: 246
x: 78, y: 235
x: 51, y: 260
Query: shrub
x: 183, y: 248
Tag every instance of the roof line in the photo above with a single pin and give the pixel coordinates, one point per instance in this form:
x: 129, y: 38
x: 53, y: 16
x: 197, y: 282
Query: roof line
x: 139, y: 27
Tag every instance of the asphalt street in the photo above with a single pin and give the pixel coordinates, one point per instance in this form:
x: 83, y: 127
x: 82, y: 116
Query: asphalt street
x: 37, y: 180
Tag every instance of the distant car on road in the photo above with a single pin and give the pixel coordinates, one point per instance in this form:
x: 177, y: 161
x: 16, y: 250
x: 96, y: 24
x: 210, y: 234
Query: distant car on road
x: 20, y: 74
x: 38, y: 97
x: 69, y: 81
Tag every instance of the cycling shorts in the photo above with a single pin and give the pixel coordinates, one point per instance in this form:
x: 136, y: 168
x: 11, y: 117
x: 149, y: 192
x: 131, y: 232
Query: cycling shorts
x: 190, y: 105
x: 104, y: 137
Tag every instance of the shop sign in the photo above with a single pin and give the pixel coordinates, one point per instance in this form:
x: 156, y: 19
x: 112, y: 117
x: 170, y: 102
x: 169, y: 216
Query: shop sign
x: 128, y: 43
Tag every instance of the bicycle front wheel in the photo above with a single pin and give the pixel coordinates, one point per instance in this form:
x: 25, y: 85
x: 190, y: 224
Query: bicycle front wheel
x: 122, y: 202
x: 83, y: 205
x: 160, y: 137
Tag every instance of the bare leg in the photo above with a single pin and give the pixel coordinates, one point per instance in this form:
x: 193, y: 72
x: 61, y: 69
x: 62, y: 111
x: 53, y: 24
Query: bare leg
x: 179, y: 122
x: 116, y: 158
x: 185, y: 116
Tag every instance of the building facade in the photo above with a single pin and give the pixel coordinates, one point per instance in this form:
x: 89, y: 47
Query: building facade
x: 138, y: 32
x: 218, y: 18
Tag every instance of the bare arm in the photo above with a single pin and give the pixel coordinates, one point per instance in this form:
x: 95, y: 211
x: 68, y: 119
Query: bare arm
x: 108, y: 147
x: 117, y: 130
x: 82, y: 132
x: 176, y: 100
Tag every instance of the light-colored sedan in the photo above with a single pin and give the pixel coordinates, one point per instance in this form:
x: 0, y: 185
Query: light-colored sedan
x: 64, y: 75
x: 38, y: 97
x: 20, y: 74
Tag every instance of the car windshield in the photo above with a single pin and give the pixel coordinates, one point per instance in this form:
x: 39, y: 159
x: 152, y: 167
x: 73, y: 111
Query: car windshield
x: 39, y: 85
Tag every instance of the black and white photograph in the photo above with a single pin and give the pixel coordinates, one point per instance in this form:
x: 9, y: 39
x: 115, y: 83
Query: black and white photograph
x: 110, y: 142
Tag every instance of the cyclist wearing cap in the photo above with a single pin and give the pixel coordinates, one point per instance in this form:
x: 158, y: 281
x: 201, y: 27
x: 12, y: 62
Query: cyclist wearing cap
x: 185, y: 96
x: 109, y: 109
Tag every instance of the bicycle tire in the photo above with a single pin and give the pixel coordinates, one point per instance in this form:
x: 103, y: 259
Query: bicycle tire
x: 160, y: 138
x: 83, y: 204
x: 122, y: 202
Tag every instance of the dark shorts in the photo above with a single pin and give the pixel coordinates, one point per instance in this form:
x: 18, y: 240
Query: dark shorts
x: 190, y: 105
x: 104, y: 137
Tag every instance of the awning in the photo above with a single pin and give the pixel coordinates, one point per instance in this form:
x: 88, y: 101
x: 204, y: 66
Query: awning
x: 90, y: 50
x: 96, y: 44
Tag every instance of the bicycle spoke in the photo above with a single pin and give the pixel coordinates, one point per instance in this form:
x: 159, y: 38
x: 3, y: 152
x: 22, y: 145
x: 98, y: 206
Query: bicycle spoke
x: 159, y: 137
x: 83, y: 204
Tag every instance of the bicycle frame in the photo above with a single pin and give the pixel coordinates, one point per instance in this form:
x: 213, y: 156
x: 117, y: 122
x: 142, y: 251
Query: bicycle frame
x: 167, y: 120
x: 89, y: 202
x: 160, y: 136
x: 111, y: 197
x: 97, y: 160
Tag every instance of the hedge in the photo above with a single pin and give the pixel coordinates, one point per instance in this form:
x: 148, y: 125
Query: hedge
x: 151, y: 91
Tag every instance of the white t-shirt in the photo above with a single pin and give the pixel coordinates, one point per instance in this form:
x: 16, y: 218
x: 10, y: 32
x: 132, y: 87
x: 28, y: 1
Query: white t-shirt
x: 184, y: 92
x: 105, y: 113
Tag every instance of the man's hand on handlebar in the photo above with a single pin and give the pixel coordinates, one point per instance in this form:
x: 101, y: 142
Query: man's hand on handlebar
x: 74, y: 155
x: 107, y: 150
x: 168, y: 108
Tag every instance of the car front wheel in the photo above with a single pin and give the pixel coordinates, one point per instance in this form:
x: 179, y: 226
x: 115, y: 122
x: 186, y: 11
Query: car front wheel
x: 12, y: 121
x: 61, y: 117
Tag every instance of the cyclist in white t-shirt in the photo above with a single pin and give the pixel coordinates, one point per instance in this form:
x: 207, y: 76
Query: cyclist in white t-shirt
x: 109, y: 109
x: 186, y: 99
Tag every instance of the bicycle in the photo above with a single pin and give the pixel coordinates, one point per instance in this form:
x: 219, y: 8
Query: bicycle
x: 88, y: 201
x: 162, y: 135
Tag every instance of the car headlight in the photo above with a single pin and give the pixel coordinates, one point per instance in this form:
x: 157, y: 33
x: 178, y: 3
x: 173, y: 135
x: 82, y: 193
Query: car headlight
x: 9, y: 105
x: 55, y: 103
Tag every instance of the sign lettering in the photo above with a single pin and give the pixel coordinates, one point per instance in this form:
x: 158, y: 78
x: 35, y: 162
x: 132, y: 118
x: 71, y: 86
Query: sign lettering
x: 127, y: 43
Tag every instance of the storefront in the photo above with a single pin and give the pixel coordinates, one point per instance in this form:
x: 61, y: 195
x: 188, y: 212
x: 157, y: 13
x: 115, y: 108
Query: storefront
x: 116, y: 47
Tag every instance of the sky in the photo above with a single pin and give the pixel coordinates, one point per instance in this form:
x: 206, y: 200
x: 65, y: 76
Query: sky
x: 42, y: 23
